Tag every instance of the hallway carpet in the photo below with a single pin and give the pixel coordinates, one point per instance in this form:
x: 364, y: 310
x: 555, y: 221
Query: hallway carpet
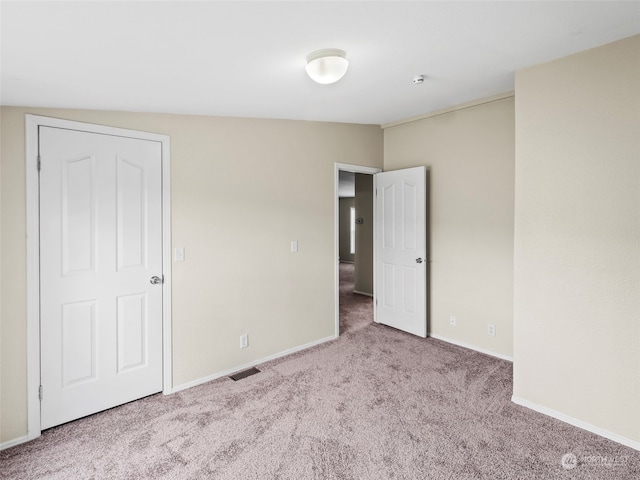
x: 356, y: 310
x: 375, y: 404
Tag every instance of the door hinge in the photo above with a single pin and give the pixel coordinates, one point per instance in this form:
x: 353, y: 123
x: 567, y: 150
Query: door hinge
x: 39, y: 163
x: 40, y: 392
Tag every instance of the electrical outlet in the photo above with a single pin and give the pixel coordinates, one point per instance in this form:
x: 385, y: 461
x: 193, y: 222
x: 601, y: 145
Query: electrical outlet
x: 452, y: 320
x: 244, y: 341
x: 491, y: 330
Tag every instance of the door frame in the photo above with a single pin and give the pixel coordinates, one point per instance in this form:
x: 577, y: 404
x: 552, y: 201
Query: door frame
x: 346, y: 167
x: 32, y: 124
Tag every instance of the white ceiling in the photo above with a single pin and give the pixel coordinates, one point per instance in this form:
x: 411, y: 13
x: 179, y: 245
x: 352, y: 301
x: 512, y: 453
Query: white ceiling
x: 247, y: 58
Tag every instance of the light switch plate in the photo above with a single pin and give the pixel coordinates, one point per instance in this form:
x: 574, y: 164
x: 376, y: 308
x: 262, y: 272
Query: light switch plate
x: 294, y: 246
x: 179, y: 254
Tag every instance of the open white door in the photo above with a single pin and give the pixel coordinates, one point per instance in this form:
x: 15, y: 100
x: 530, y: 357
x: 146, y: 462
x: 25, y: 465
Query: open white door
x: 400, y: 250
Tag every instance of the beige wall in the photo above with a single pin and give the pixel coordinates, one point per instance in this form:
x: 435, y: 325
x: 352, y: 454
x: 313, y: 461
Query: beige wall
x: 344, y: 226
x: 577, y: 237
x: 469, y: 155
x: 240, y: 194
x: 364, y: 234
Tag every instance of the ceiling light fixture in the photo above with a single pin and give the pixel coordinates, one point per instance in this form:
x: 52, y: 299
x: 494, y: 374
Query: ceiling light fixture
x: 327, y: 66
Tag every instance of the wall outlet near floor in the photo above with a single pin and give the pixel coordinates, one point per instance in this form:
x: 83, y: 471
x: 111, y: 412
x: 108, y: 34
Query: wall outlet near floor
x: 452, y: 320
x: 491, y: 330
x: 244, y: 341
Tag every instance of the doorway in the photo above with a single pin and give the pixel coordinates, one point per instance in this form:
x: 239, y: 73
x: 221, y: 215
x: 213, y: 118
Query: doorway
x: 354, y: 247
x: 400, y: 247
x: 98, y: 268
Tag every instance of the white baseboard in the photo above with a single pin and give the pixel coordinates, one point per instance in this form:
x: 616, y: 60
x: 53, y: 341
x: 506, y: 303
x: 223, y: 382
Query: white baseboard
x: 363, y: 293
x: 14, y: 442
x: 238, y: 368
x: 472, y: 347
x: 577, y: 423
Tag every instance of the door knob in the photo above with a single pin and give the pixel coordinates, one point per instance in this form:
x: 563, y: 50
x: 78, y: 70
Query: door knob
x: 155, y: 280
x: 418, y: 260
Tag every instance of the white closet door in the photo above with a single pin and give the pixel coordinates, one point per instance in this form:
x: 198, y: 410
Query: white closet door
x: 101, y: 242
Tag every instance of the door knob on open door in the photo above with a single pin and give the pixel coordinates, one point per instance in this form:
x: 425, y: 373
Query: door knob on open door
x: 418, y: 260
x: 155, y: 280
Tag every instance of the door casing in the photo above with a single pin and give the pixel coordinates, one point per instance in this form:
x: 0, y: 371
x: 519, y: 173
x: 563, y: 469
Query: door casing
x: 32, y: 124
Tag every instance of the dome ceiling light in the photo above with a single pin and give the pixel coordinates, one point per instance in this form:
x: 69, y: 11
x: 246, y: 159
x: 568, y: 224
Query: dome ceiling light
x: 327, y: 66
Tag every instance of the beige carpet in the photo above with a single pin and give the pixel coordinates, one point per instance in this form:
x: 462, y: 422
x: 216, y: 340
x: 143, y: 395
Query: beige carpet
x: 375, y: 404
